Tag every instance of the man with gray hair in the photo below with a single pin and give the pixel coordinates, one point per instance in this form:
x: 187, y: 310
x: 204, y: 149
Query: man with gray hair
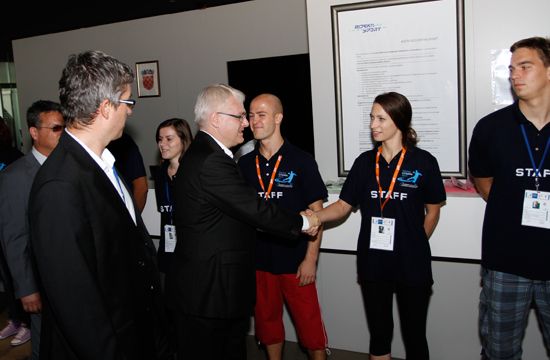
x: 100, y: 285
x: 212, y: 283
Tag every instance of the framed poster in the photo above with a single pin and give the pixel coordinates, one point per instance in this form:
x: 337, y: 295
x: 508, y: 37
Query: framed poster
x: 415, y: 48
x: 148, y: 79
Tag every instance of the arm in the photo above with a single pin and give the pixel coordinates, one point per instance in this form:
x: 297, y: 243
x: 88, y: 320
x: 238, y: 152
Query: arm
x: 335, y: 211
x: 307, y: 270
x: 483, y: 186
x: 14, y: 236
x: 226, y: 189
x: 140, y: 192
x: 431, y: 218
x: 69, y: 281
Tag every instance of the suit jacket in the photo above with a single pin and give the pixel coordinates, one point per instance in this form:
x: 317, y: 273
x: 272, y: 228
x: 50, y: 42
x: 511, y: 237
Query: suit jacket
x: 100, y: 285
x: 216, y: 219
x: 15, y: 186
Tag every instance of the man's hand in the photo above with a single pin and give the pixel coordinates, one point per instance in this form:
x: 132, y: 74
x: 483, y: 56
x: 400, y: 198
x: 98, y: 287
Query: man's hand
x: 32, y: 303
x: 314, y: 222
x: 307, y: 272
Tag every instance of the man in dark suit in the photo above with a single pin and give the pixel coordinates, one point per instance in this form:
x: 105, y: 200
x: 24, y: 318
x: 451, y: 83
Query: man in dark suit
x: 100, y: 286
x: 45, y: 124
x: 212, y: 282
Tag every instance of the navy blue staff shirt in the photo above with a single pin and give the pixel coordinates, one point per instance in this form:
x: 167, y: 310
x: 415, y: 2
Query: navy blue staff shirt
x: 498, y: 150
x: 419, y: 182
x: 297, y: 184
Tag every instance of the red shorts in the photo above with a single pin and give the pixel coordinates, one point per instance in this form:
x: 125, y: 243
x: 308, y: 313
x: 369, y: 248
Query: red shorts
x: 302, y: 304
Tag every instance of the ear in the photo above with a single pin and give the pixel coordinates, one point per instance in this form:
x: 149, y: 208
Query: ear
x: 105, y: 108
x: 34, y: 133
x: 278, y: 118
x: 214, y: 120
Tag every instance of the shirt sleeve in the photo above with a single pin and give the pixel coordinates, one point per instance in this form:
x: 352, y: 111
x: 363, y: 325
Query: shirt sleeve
x: 434, y: 190
x: 479, y: 152
x: 313, y: 186
x: 355, y: 181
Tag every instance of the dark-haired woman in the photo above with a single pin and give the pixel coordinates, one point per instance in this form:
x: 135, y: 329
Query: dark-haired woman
x: 399, y: 189
x: 173, y: 138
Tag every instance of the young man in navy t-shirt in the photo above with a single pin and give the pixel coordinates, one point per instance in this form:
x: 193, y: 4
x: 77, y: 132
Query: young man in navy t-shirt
x: 511, y: 168
x: 285, y: 271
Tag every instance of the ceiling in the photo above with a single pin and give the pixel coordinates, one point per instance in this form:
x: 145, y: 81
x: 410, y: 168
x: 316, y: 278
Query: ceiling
x: 21, y: 19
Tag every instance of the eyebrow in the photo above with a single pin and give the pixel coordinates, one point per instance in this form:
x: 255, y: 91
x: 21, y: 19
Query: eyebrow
x: 526, y: 62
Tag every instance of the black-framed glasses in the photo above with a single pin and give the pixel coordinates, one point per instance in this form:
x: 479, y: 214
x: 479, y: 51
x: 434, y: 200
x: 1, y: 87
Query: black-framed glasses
x: 130, y: 102
x: 241, y: 117
x: 55, y: 128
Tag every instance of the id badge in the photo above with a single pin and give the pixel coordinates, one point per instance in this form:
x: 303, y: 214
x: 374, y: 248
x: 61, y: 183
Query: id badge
x: 169, y: 238
x: 536, y: 209
x: 382, y: 232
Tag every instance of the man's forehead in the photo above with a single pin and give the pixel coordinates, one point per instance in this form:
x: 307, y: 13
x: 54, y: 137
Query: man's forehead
x: 51, y: 116
x: 262, y: 103
x: 524, y: 55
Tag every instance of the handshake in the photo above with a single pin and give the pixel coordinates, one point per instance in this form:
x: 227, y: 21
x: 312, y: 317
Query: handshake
x: 314, y: 222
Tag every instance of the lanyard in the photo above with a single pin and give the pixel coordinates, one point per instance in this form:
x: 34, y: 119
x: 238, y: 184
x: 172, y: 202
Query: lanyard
x: 119, y: 186
x: 266, y: 193
x: 537, y: 169
x: 393, y: 179
x: 169, y: 200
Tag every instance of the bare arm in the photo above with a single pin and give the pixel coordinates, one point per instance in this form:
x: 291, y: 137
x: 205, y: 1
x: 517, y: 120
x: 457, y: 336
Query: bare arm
x: 140, y: 192
x: 307, y: 271
x: 483, y: 186
x: 432, y: 218
x: 335, y: 211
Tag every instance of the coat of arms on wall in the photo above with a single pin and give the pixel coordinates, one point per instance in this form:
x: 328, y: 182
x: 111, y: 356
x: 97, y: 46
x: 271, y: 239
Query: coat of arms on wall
x: 148, y: 79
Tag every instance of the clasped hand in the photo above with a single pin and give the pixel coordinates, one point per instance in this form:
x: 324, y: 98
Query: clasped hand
x: 314, y: 222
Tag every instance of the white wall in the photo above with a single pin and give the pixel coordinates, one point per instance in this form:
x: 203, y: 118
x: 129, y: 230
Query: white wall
x: 452, y: 319
x: 192, y: 49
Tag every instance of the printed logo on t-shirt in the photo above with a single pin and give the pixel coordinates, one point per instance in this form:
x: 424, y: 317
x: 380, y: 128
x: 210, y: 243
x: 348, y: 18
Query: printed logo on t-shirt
x: 409, y: 178
x: 285, y: 179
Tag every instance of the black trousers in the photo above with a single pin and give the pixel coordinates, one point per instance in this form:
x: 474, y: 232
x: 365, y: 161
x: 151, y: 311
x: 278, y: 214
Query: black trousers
x: 15, y: 308
x: 412, y: 304
x: 211, y: 339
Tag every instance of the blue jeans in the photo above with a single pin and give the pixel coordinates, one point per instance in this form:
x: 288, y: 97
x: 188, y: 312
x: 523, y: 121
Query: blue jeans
x: 504, y: 305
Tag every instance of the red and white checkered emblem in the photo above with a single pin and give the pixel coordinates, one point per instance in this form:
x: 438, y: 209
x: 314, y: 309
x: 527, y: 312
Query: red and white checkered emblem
x: 148, y: 79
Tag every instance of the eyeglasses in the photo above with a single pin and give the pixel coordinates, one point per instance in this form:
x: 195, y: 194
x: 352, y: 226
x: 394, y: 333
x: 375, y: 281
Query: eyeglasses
x: 241, y: 117
x: 55, y: 128
x: 130, y: 102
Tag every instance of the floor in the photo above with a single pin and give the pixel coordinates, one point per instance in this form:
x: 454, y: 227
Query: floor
x: 292, y: 351
x: 8, y: 352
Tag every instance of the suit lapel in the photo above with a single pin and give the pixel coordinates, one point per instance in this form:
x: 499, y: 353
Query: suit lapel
x: 105, y: 187
x: 31, y: 164
x: 97, y: 176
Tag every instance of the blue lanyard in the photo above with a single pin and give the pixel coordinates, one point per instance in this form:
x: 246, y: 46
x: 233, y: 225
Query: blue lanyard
x: 119, y: 186
x: 537, y: 169
x: 169, y: 200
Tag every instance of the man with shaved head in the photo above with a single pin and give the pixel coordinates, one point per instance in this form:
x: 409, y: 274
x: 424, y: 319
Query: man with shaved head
x: 285, y: 271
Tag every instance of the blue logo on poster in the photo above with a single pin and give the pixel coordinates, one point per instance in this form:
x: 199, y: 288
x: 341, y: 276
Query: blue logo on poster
x: 367, y: 28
